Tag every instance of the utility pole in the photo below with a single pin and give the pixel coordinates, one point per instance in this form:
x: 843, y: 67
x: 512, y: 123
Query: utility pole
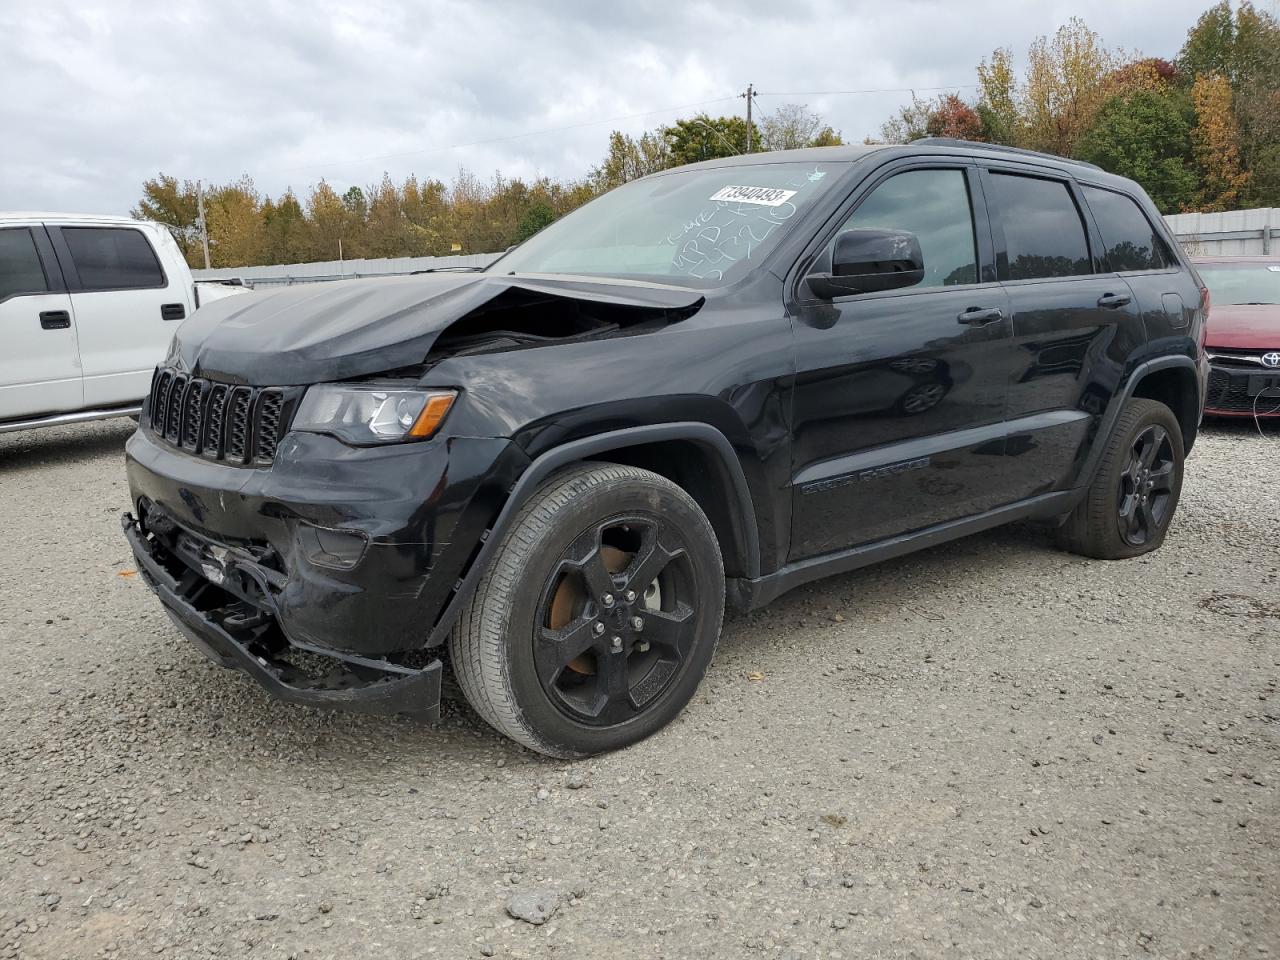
x: 750, y: 95
x: 204, y: 229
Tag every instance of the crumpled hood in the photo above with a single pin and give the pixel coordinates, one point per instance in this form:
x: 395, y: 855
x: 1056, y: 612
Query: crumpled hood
x: 317, y: 332
x: 1244, y: 326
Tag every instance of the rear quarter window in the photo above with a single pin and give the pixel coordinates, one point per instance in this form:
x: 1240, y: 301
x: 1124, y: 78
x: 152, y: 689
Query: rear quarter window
x: 20, y: 268
x: 113, y: 258
x: 1130, y: 240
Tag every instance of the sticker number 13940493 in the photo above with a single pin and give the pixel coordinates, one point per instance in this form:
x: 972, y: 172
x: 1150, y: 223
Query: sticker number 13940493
x: 764, y: 196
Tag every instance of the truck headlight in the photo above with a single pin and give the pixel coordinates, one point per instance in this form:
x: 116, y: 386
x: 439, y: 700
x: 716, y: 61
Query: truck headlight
x: 360, y: 414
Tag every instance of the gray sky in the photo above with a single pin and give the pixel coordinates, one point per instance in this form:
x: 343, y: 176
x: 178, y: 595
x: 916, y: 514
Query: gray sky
x: 97, y: 96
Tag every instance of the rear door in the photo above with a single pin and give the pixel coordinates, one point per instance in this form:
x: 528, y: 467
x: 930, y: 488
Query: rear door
x: 39, y: 363
x: 1074, y: 323
x: 126, y: 308
x: 900, y: 395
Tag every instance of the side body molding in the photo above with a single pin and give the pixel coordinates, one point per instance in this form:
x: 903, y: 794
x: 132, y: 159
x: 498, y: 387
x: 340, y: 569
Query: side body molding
x: 585, y: 448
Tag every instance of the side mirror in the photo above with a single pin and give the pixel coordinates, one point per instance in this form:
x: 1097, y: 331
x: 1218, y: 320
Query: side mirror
x: 867, y: 261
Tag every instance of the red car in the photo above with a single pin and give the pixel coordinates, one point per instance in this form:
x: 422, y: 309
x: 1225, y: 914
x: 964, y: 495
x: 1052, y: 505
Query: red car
x: 1243, y: 340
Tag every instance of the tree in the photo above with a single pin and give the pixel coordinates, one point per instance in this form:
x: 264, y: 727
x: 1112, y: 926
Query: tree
x: 237, y: 236
x: 1215, y: 142
x: 1143, y: 135
x: 286, y: 230
x: 952, y: 117
x: 1066, y: 85
x: 386, y: 233
x: 911, y: 122
x: 792, y: 126
x: 1210, y: 44
x: 328, y: 219
x: 175, y: 205
x: 998, y: 102
x: 706, y: 138
x: 538, y: 215
x: 628, y: 159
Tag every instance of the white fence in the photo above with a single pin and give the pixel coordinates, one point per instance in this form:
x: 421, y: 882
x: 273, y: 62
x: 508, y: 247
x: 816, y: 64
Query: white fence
x: 1231, y: 233
x: 1235, y: 232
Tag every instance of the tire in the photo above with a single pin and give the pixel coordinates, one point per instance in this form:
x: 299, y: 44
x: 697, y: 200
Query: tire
x: 573, y: 574
x: 1143, y: 455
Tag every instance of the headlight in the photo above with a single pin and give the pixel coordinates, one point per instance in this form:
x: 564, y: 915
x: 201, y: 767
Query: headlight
x: 370, y: 414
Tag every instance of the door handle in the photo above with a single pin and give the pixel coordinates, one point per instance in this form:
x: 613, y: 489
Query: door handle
x: 172, y: 311
x: 55, y: 319
x: 1114, y: 300
x: 980, y: 316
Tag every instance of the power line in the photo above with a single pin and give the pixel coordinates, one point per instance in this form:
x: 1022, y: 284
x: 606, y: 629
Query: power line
x: 842, y: 93
x: 514, y: 136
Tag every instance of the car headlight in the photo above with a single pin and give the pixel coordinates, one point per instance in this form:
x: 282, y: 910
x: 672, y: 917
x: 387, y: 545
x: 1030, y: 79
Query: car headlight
x: 364, y: 414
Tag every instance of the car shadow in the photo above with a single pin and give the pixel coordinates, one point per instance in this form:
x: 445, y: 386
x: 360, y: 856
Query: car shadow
x: 57, y: 446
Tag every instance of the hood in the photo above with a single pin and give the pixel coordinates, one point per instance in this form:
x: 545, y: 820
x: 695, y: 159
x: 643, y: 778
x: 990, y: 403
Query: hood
x: 1244, y: 326
x: 353, y: 328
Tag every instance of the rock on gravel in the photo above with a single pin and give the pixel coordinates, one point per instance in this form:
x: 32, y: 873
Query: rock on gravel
x: 534, y: 906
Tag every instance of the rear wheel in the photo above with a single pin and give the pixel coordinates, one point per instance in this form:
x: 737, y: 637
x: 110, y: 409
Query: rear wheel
x: 1132, y: 499
x: 599, y: 615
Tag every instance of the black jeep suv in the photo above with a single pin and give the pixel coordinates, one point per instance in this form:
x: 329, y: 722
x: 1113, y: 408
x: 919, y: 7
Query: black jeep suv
x: 711, y: 384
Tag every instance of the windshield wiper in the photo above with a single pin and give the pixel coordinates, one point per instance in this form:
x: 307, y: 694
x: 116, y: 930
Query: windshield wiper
x: 414, y: 273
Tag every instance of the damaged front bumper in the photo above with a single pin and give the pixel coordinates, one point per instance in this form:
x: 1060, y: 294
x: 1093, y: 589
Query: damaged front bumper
x: 239, y: 634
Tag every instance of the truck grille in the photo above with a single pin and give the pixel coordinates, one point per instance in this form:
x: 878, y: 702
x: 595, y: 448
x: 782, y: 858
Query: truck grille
x: 234, y: 424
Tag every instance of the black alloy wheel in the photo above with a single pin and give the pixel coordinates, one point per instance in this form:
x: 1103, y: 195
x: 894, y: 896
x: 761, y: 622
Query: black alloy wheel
x: 1146, y: 487
x: 617, y: 620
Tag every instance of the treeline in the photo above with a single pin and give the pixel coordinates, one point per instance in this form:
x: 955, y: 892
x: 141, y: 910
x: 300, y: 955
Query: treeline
x: 430, y: 218
x: 1199, y: 132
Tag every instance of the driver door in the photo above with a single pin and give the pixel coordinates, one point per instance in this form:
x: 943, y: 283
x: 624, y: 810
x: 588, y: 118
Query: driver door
x: 900, y: 395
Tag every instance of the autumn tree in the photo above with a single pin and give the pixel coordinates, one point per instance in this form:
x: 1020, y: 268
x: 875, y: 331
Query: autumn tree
x: 1215, y: 142
x: 175, y: 205
x: 952, y: 117
x: 285, y: 226
x: 630, y: 158
x: 1066, y: 84
x: 998, y: 106
x: 237, y: 233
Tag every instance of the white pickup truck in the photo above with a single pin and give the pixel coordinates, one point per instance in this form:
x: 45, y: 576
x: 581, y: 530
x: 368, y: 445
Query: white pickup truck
x: 88, y: 305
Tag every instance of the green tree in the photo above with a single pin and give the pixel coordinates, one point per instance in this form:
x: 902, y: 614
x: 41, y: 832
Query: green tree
x: 286, y: 230
x: 706, y: 138
x: 1145, y: 136
x: 539, y: 214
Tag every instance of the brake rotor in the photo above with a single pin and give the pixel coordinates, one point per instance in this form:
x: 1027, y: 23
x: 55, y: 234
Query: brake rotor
x: 569, y: 597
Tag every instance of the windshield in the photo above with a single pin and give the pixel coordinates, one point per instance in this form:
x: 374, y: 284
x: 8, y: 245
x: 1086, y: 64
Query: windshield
x: 699, y: 228
x: 1242, y: 283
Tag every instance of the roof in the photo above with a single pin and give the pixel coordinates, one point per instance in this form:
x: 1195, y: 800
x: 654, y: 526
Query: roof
x: 24, y: 216
x: 927, y: 146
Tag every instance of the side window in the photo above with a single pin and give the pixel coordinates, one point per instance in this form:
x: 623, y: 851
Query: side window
x: 113, y: 258
x: 1043, y: 232
x: 1131, y: 242
x: 934, y: 205
x: 20, y: 269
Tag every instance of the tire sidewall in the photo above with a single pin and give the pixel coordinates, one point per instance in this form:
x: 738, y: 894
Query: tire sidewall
x: 561, y: 733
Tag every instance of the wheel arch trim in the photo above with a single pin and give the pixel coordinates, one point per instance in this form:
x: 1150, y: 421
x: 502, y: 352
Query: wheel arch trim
x: 584, y: 448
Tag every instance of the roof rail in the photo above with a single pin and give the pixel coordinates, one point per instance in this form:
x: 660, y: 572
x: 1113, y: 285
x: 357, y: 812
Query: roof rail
x: 976, y: 145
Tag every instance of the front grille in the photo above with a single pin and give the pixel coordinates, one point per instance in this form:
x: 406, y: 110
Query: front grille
x: 1247, y: 358
x: 234, y: 424
x: 1229, y: 391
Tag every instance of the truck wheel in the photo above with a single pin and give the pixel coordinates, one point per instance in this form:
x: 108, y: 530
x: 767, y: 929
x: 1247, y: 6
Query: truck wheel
x: 1131, y: 502
x: 599, y: 615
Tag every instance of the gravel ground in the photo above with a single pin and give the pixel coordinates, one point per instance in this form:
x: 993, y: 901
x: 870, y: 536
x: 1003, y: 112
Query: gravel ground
x: 991, y: 749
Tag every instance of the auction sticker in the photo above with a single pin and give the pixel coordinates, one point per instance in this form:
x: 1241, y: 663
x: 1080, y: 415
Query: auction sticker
x: 764, y: 196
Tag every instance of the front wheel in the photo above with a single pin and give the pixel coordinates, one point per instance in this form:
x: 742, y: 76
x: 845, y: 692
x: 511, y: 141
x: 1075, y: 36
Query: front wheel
x: 1134, y: 494
x: 598, y: 616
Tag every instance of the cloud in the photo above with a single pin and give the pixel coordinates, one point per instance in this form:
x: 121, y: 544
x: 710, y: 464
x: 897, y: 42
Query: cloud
x: 99, y: 96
